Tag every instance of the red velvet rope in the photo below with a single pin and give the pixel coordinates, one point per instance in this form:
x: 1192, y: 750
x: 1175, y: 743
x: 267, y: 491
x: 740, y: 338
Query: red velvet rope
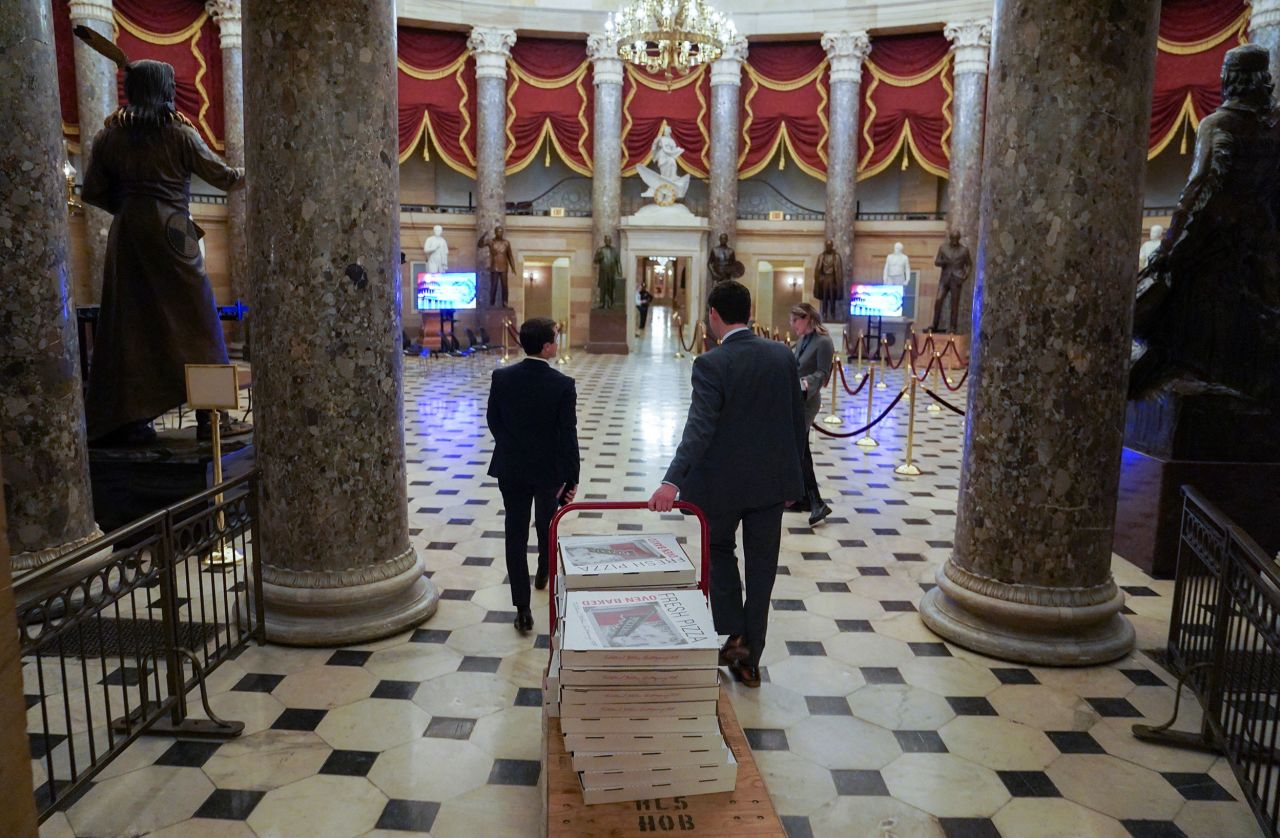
x: 864, y: 428
x: 693, y: 339
x: 845, y: 381
x: 948, y: 405
x: 511, y: 330
x: 958, y: 384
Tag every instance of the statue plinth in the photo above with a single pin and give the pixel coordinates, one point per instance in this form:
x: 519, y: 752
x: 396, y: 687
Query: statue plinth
x: 607, y: 333
x: 491, y: 318
x: 1229, y: 454
x: 940, y: 341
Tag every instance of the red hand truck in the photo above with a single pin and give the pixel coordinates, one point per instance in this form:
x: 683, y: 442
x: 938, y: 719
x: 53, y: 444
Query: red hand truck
x: 553, y: 549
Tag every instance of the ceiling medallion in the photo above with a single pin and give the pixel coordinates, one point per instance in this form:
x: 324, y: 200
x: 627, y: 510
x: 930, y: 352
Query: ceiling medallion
x: 669, y: 36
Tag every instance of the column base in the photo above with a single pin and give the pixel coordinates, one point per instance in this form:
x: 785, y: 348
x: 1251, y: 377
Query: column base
x: 359, y: 613
x: 39, y: 558
x: 1042, y: 635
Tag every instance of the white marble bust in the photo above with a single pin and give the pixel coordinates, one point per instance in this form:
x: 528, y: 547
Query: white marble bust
x: 437, y: 250
x: 897, y: 267
x: 1150, y: 245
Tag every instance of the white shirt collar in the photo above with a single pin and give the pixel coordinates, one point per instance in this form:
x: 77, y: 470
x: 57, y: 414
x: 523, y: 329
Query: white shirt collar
x: 733, y: 332
x: 537, y: 358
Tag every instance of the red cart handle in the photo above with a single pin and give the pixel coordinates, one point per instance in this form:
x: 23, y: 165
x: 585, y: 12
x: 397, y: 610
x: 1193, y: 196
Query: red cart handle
x: 553, y: 549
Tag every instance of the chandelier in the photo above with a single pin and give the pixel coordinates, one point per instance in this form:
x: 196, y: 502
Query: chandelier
x: 667, y: 35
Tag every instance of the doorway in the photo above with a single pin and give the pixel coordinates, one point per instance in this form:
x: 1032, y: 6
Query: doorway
x: 546, y: 287
x: 780, y: 284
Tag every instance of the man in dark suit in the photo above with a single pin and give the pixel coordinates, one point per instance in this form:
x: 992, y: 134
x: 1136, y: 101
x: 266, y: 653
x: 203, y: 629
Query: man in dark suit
x: 740, y: 459
x: 533, y: 418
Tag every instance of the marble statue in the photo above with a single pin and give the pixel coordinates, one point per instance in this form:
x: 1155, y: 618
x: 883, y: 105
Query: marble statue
x: 956, y: 263
x: 828, y: 281
x: 1150, y: 245
x: 1207, y: 315
x: 665, y: 186
x: 502, y: 258
x: 897, y: 267
x: 609, y: 271
x: 437, y: 250
x: 722, y: 263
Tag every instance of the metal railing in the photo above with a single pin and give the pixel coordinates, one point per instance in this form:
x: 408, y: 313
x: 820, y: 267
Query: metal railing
x: 1224, y: 643
x: 114, y: 634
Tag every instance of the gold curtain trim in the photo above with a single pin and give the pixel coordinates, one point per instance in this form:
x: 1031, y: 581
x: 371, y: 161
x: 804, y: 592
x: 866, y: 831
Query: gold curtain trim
x: 783, y: 86
x: 547, y: 133
x: 150, y: 37
x: 431, y: 75
x: 1187, y: 113
x: 628, y: 123
x: 546, y: 84
x: 674, y: 84
x: 1239, y: 26
x: 907, y: 81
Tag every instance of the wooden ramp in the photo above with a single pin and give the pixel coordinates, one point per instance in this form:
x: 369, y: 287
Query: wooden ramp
x: 747, y: 810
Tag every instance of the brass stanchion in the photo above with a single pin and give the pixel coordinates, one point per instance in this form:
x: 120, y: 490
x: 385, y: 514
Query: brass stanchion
x: 908, y: 468
x: 224, y: 554
x: 950, y: 341
x: 860, y: 339
x: 934, y: 407
x: 506, y: 340
x: 884, y: 350
x: 834, y: 418
x: 868, y: 441
x: 678, y: 322
x: 564, y: 344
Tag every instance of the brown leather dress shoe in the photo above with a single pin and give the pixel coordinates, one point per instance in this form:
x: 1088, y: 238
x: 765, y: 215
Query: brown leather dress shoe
x: 734, y: 650
x: 746, y: 674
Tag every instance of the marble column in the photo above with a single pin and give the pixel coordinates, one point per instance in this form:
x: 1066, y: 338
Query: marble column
x: 227, y: 15
x: 1264, y: 29
x: 845, y: 51
x: 17, y: 799
x: 606, y: 140
x: 970, y: 46
x: 492, y: 47
x: 726, y: 79
x: 324, y: 225
x: 97, y: 97
x: 46, y: 466
x: 1030, y: 576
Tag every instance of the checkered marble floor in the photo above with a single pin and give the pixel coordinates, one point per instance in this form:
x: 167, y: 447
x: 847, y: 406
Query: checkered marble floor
x: 867, y: 724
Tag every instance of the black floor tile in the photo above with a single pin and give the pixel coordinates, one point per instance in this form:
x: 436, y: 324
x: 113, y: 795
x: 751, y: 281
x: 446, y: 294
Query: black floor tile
x: 833, y: 587
x: 473, y: 663
x: 881, y: 674
x: 348, y: 657
x: 1014, y: 675
x: 41, y: 744
x: 1196, y: 786
x: 1028, y: 784
x: 1153, y: 829
x: 893, y: 605
x: 408, y: 815
x: 395, y: 689
x: 428, y: 636
x: 188, y: 754
x: 1143, y: 677
x: 971, y: 706
x: 969, y: 828
x: 828, y: 705
x: 229, y: 804
x: 296, y: 718
x: 1074, y: 742
x: 506, y: 617
x: 448, y: 727
x: 349, y: 763
x: 455, y: 594
x: 873, y: 571
x: 788, y: 605
x: 767, y: 739
x: 930, y: 650
x: 257, y: 682
x: 796, y: 826
x: 1119, y: 708
x: 855, y: 625
x: 859, y: 783
x: 1138, y: 590
x: 528, y: 697
x: 806, y: 648
x: 920, y: 742
x: 515, y: 772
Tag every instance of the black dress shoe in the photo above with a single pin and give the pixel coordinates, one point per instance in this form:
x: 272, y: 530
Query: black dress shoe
x: 746, y: 674
x: 818, y: 514
x: 524, y: 620
x: 540, y: 579
x: 734, y: 650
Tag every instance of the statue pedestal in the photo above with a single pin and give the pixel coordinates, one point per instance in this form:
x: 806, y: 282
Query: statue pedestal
x: 940, y: 341
x: 608, y: 331
x: 491, y: 319
x: 1205, y: 442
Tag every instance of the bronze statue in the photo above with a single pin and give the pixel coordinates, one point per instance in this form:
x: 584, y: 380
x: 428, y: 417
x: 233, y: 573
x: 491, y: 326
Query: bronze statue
x: 1207, y: 316
x: 158, y: 312
x: 956, y: 263
x: 828, y: 281
x: 722, y: 264
x: 501, y: 259
x: 609, y: 271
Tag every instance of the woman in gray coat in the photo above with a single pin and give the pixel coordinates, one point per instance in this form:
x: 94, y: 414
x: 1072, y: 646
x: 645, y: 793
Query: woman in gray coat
x: 814, y: 352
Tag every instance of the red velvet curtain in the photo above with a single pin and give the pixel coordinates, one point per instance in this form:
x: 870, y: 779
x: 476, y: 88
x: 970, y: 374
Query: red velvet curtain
x: 681, y: 102
x: 181, y: 33
x: 64, y: 47
x: 436, y: 88
x: 906, y: 104
x: 1194, y: 37
x: 549, y: 99
x: 784, y: 107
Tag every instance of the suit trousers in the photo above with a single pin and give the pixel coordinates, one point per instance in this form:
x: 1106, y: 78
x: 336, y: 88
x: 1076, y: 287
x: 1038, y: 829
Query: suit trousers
x: 761, y: 535
x: 517, y: 497
x: 810, y: 477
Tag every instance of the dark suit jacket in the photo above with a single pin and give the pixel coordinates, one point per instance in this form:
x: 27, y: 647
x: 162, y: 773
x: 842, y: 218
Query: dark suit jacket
x: 814, y: 352
x: 533, y: 418
x: 744, y: 438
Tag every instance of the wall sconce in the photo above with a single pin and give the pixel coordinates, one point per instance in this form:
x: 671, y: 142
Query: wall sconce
x: 530, y: 277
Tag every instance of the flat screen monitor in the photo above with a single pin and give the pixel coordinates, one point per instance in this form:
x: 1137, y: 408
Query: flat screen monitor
x: 440, y: 292
x: 877, y: 300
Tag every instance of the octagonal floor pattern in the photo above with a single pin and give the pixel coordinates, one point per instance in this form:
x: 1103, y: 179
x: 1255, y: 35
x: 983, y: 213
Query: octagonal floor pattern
x: 867, y: 723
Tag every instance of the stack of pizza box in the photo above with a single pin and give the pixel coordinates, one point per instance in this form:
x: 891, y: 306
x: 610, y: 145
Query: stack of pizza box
x: 633, y: 676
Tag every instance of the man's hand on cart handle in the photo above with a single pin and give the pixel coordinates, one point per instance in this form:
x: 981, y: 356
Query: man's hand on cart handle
x: 663, y: 498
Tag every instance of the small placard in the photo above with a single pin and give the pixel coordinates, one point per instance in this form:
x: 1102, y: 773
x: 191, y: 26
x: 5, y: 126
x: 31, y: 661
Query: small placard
x: 775, y: 215
x: 213, y: 387
x: 557, y: 212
